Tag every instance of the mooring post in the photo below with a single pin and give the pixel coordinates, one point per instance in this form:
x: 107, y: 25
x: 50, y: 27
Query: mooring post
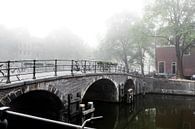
x: 91, y: 106
x: 82, y: 106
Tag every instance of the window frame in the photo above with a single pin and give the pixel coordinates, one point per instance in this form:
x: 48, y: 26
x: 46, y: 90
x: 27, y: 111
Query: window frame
x: 173, y: 63
x: 164, y: 68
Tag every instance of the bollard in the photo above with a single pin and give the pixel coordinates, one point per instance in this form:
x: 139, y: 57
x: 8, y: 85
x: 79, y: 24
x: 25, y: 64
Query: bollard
x: 91, y: 106
x: 82, y: 106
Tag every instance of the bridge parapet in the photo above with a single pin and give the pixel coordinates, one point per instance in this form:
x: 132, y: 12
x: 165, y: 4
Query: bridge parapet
x: 14, y: 71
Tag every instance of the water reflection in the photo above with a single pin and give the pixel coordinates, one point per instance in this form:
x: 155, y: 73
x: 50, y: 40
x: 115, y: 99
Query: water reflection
x: 149, y: 112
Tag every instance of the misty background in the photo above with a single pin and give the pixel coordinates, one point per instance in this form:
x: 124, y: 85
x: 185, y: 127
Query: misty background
x: 85, y: 30
x: 122, y: 31
x: 19, y: 44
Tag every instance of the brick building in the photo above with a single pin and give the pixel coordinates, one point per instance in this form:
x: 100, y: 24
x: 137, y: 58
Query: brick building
x: 166, y: 62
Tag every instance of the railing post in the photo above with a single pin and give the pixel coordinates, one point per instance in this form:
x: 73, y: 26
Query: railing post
x: 115, y: 68
x: 103, y: 66
x: 95, y: 67
x: 85, y: 66
x: 72, y: 63
x: 109, y: 68
x: 8, y: 72
x: 34, y: 69
x: 55, y: 69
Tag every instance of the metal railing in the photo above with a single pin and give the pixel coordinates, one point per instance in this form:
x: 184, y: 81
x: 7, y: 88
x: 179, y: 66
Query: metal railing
x: 12, y: 71
x: 4, y: 123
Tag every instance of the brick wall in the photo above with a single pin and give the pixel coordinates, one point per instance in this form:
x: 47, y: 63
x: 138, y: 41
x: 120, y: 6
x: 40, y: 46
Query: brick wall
x: 168, y: 55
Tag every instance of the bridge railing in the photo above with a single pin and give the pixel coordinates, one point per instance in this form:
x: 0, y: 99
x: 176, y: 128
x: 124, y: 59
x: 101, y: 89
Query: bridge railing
x: 12, y: 71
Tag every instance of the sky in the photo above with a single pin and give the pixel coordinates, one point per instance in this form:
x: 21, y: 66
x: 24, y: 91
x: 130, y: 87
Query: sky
x: 86, y: 18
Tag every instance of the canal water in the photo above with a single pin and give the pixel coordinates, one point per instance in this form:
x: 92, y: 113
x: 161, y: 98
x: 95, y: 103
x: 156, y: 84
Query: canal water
x: 147, y: 112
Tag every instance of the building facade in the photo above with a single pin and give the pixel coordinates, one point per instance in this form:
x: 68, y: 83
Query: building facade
x: 166, y: 62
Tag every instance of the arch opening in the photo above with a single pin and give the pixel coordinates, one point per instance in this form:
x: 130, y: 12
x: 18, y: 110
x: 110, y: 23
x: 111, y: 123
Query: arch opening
x: 101, y: 90
x: 39, y: 103
x: 128, y: 84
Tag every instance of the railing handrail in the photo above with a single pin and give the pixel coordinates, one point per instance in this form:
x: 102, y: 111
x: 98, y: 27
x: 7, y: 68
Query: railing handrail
x: 4, y: 111
x: 9, y: 69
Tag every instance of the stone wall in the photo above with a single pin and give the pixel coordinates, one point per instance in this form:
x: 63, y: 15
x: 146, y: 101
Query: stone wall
x: 164, y: 86
x: 178, y: 87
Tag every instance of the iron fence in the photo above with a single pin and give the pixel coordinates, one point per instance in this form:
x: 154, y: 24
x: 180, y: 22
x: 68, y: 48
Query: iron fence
x: 12, y: 71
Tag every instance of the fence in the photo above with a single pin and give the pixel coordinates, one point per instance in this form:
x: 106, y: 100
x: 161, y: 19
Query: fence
x: 12, y: 71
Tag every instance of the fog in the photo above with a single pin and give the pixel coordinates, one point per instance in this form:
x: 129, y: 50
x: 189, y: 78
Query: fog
x: 18, y: 44
x: 56, y: 29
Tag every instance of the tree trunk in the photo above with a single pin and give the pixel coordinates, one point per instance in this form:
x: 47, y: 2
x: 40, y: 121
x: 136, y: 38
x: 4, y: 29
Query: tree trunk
x: 142, y: 68
x: 141, y: 61
x: 125, y: 57
x: 179, y: 61
x: 126, y: 64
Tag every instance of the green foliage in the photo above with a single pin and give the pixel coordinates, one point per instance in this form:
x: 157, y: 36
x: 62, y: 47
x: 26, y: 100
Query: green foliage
x: 174, y: 20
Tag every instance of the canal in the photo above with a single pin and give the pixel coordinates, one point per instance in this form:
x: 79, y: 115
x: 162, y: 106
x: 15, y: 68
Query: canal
x: 147, y: 112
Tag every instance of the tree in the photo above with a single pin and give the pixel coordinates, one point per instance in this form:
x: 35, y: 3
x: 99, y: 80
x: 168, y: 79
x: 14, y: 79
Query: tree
x: 142, y: 42
x: 175, y: 20
x: 64, y: 44
x: 117, y: 43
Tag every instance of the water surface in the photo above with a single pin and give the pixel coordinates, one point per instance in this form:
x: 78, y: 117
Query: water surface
x: 148, y: 112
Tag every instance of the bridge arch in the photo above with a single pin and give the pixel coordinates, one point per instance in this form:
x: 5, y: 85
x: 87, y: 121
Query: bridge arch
x: 38, y: 102
x: 103, y: 89
x: 44, y: 102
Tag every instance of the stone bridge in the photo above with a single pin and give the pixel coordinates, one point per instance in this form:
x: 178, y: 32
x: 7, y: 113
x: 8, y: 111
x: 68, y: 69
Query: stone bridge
x: 67, y: 84
x: 55, y: 93
x: 108, y: 87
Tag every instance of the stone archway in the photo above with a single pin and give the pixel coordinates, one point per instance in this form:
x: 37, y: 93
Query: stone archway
x: 39, y: 103
x: 102, y: 90
x: 128, y: 84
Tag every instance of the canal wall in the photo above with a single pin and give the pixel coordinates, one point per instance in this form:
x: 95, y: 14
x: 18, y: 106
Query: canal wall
x: 165, y: 86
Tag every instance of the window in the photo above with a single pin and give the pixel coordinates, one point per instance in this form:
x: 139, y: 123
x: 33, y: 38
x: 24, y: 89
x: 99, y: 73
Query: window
x: 161, y: 67
x: 187, y: 52
x: 173, y: 67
